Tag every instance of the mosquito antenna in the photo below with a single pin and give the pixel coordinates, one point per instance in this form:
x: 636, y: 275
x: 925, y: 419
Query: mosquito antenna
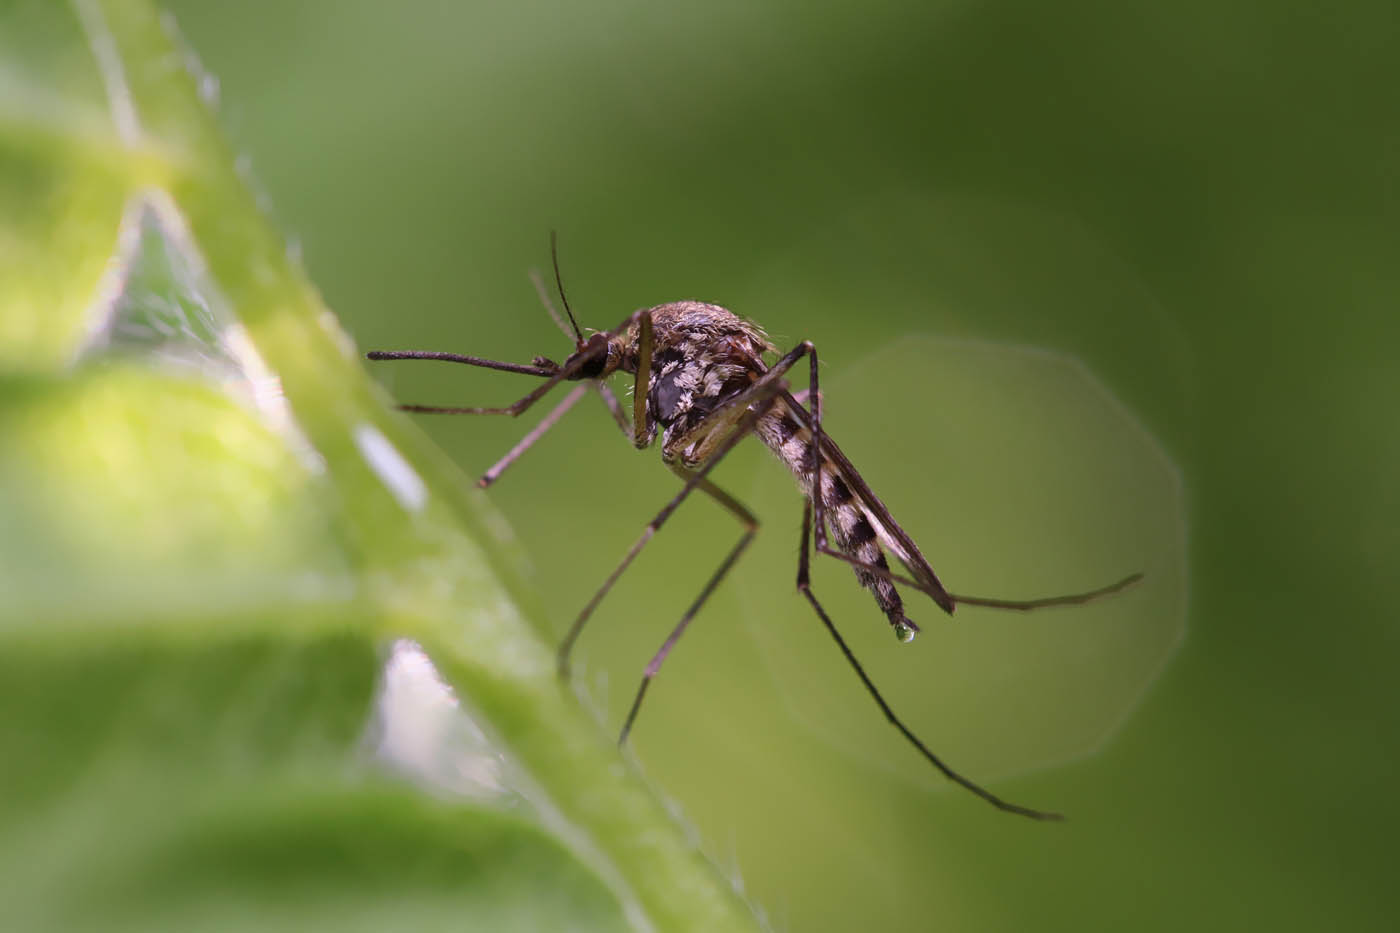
x: 559, y: 281
x: 548, y: 303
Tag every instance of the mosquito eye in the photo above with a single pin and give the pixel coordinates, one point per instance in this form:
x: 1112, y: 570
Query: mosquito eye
x: 594, y: 367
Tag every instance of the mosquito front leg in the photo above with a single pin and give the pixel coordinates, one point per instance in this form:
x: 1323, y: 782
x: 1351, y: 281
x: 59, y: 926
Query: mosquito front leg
x: 553, y: 417
x: 750, y: 523
x: 589, y: 352
x: 549, y: 420
x: 804, y: 585
x: 526, y: 442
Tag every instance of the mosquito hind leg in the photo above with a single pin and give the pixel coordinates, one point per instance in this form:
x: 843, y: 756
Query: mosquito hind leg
x: 804, y: 585
x: 990, y: 602
x: 932, y: 587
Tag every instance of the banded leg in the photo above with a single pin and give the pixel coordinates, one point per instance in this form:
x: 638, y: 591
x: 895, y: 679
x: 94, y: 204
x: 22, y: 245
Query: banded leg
x: 750, y: 523
x: 804, y: 585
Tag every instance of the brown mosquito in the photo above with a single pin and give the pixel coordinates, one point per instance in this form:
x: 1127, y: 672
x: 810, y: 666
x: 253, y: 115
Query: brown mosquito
x: 701, y: 380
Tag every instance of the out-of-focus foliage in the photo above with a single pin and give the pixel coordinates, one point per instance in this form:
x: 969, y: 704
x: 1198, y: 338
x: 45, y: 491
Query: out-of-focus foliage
x: 258, y: 669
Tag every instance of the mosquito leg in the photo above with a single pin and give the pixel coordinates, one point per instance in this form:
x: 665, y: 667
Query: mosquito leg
x: 500, y: 466
x: 925, y: 580
x: 804, y: 585
x: 818, y: 496
x: 694, y: 480
x: 892, y: 536
x: 553, y: 375
x: 642, y: 432
x: 1068, y: 599
x: 742, y: 411
x: 552, y: 378
x: 614, y: 408
x: 1015, y: 605
x: 596, y: 346
x: 751, y: 404
x: 741, y: 418
x: 538, y: 431
x: 750, y: 523
x: 855, y: 532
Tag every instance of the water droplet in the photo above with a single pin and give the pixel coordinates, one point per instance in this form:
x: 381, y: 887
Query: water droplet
x: 905, y: 631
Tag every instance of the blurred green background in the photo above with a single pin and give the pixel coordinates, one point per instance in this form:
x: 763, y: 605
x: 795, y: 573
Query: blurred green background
x: 1197, y: 201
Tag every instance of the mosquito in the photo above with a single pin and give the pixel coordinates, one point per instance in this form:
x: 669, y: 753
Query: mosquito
x: 702, y: 382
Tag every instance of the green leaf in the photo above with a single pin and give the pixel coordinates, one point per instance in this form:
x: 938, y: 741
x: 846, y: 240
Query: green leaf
x: 263, y: 659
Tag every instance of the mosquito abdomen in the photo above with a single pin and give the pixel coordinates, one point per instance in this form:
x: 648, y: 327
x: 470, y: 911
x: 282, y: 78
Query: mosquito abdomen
x: 852, y: 529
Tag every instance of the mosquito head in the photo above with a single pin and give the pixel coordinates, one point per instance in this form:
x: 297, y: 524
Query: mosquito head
x: 597, y: 357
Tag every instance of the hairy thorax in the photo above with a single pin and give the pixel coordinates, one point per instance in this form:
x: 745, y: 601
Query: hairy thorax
x: 702, y: 355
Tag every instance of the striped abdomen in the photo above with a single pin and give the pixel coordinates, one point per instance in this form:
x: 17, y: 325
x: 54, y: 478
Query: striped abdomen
x: 853, y: 530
